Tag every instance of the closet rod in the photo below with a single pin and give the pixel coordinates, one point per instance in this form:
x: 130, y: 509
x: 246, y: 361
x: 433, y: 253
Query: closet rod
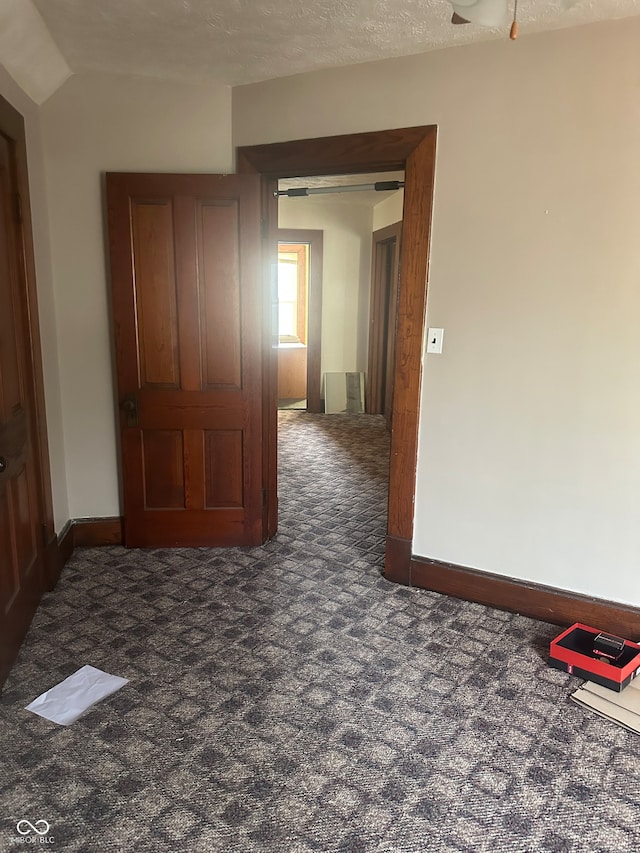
x: 379, y: 186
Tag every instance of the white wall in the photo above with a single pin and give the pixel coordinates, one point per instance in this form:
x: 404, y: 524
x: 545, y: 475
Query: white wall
x: 346, y: 276
x: 97, y: 123
x: 44, y: 283
x: 529, y: 457
x: 389, y: 211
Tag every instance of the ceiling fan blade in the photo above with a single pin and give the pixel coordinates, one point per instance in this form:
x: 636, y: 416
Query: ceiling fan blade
x: 485, y: 13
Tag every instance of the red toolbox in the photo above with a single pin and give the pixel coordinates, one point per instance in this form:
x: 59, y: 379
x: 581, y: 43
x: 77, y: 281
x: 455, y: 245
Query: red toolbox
x: 584, y: 651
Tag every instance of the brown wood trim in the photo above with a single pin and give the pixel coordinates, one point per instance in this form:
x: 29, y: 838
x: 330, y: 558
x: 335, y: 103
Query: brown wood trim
x: 269, y: 210
x: 382, y: 320
x: 389, y: 232
x: 397, y: 564
x: 54, y: 560
x: 65, y: 545
x: 546, y: 603
x: 78, y: 533
x: 93, y: 532
x: 314, y: 324
x: 411, y: 308
x: 412, y: 149
x: 372, y: 151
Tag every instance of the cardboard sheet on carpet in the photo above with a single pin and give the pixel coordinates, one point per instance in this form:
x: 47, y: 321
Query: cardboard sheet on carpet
x: 622, y: 708
x: 67, y: 701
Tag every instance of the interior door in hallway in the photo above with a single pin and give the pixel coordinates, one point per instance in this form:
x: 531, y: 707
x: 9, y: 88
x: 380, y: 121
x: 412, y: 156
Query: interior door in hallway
x: 188, y: 319
x: 385, y: 271
x: 22, y: 575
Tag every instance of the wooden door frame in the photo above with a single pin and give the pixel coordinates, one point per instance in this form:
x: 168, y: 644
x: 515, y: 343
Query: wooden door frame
x: 382, y: 321
x: 314, y: 308
x: 412, y: 150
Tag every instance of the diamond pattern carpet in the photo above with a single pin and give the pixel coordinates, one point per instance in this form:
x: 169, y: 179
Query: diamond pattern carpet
x: 288, y: 698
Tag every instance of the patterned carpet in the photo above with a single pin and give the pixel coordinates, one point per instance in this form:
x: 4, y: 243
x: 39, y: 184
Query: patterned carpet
x: 288, y: 698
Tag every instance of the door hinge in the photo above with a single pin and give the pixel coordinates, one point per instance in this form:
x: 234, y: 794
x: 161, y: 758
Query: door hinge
x: 264, y: 228
x: 19, y: 208
x: 45, y: 534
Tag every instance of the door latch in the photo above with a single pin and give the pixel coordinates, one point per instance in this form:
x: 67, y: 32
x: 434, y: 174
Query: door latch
x: 130, y: 407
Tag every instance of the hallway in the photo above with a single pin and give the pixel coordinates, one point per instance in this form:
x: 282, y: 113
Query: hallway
x: 333, y: 479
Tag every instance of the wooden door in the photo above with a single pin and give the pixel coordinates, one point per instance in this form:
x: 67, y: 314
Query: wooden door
x: 385, y: 268
x: 187, y: 310
x: 22, y: 523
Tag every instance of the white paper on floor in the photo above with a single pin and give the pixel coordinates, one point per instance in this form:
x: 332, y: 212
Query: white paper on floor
x: 67, y: 701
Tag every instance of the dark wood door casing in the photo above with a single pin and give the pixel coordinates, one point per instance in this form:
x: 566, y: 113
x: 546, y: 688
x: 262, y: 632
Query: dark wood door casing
x: 385, y: 268
x: 28, y: 546
x: 412, y: 150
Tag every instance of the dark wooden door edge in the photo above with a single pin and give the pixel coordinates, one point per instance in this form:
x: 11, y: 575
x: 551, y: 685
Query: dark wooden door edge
x: 536, y: 601
x: 269, y: 208
x: 12, y: 124
x: 18, y: 617
x: 17, y: 621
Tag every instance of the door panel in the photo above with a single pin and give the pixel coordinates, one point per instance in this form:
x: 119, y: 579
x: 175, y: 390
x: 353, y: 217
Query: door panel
x: 220, y: 291
x: 187, y: 309
x: 223, y: 461
x: 155, y: 294
x: 21, y: 515
x: 163, y: 448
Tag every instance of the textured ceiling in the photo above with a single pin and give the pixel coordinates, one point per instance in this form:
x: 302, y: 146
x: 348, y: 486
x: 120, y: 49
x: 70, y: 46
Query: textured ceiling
x: 244, y: 41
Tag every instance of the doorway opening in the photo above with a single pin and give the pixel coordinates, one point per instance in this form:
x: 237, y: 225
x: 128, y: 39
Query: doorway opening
x: 300, y: 275
x: 339, y: 218
x: 344, y: 220
x: 412, y: 150
x: 293, y: 296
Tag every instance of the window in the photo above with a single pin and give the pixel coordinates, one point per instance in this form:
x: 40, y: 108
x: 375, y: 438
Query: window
x: 293, y: 274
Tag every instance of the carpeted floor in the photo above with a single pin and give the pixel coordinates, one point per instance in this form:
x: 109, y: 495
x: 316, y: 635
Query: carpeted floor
x: 288, y: 698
